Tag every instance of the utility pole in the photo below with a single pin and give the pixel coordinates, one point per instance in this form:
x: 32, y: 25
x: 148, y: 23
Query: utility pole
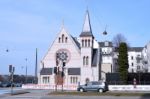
x: 36, y: 59
x: 26, y: 71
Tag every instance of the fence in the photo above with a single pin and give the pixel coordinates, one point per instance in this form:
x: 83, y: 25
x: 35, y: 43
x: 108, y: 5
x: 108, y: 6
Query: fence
x: 141, y: 78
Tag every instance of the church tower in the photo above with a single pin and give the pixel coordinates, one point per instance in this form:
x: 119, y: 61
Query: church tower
x: 86, y: 45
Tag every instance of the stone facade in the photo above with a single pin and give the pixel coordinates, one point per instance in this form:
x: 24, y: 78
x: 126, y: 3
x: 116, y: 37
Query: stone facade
x: 72, y: 61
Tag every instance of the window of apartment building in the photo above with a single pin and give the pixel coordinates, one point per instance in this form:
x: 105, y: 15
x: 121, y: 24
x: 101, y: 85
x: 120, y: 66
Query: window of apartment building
x: 132, y: 64
x: 88, y: 43
x: 46, y: 80
x: 132, y: 71
x: 131, y: 57
x: 74, y: 80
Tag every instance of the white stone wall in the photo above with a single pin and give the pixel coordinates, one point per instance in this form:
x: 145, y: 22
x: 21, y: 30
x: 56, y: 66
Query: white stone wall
x: 50, y: 58
x: 132, y: 55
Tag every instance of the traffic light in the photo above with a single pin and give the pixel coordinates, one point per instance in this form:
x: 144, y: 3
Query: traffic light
x: 55, y: 70
x: 64, y: 64
x: 10, y: 68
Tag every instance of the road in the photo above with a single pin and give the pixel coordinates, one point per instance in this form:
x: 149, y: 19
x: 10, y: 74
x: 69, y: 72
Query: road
x: 43, y: 94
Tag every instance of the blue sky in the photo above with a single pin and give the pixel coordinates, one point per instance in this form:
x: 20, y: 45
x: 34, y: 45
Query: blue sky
x: 29, y: 24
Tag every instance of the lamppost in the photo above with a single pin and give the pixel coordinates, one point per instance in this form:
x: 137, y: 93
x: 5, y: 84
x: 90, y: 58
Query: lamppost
x: 26, y: 71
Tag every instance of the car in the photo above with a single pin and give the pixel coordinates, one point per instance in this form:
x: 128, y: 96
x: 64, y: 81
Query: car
x: 0, y: 84
x: 18, y: 84
x: 98, y: 86
x: 6, y: 84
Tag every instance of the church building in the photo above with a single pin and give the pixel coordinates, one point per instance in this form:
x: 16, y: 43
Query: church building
x: 71, y: 61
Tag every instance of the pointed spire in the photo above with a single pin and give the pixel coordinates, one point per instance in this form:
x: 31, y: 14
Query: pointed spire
x: 87, y: 31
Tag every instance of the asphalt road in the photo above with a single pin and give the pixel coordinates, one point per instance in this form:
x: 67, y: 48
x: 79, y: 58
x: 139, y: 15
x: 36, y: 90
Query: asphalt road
x: 43, y: 94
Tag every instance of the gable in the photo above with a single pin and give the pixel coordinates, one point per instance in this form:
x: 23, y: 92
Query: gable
x: 63, y: 41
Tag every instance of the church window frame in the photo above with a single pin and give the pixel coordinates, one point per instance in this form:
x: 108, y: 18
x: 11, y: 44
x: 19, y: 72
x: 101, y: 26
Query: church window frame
x: 84, y: 61
x: 87, y: 60
x: 88, y: 43
x: 59, y: 40
x: 85, y: 43
x: 66, y: 39
x: 82, y: 43
x: 63, y: 38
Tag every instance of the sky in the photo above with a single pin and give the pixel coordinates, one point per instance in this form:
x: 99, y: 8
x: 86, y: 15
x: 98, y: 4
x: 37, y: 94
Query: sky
x: 29, y: 24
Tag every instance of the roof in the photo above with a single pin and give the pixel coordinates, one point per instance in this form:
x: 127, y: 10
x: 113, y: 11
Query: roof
x: 76, y: 42
x: 87, y: 31
x: 74, y: 71
x: 136, y: 49
x: 94, y: 57
x: 86, y: 34
x: 105, y: 44
x: 46, y: 71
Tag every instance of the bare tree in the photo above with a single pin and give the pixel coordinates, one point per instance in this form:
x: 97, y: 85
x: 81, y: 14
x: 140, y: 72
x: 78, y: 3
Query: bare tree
x: 1, y: 78
x: 119, y: 38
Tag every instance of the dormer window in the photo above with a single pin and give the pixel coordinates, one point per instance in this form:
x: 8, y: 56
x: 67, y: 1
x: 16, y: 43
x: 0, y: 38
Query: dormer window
x: 106, y: 43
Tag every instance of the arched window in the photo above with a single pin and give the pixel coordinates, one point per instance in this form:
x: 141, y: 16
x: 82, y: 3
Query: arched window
x: 59, y: 39
x: 85, y: 43
x: 66, y: 40
x: 82, y: 43
x: 88, y: 43
x: 83, y: 60
x: 62, y: 38
x: 87, y: 60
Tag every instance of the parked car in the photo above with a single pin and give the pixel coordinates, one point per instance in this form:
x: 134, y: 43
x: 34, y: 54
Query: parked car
x: 6, y: 84
x: 18, y: 85
x: 98, y: 86
x: 0, y: 84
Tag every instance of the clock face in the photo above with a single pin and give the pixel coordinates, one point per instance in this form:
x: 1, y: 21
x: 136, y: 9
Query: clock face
x: 63, y: 55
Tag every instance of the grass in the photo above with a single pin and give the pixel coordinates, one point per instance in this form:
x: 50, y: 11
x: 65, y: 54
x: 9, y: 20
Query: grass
x: 101, y: 94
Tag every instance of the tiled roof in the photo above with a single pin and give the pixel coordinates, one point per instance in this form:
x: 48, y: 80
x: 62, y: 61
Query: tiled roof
x: 74, y: 71
x: 76, y: 42
x: 136, y: 49
x: 46, y: 71
x: 103, y: 44
x: 86, y: 34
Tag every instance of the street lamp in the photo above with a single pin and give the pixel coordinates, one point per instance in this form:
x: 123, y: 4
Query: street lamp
x: 26, y: 71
